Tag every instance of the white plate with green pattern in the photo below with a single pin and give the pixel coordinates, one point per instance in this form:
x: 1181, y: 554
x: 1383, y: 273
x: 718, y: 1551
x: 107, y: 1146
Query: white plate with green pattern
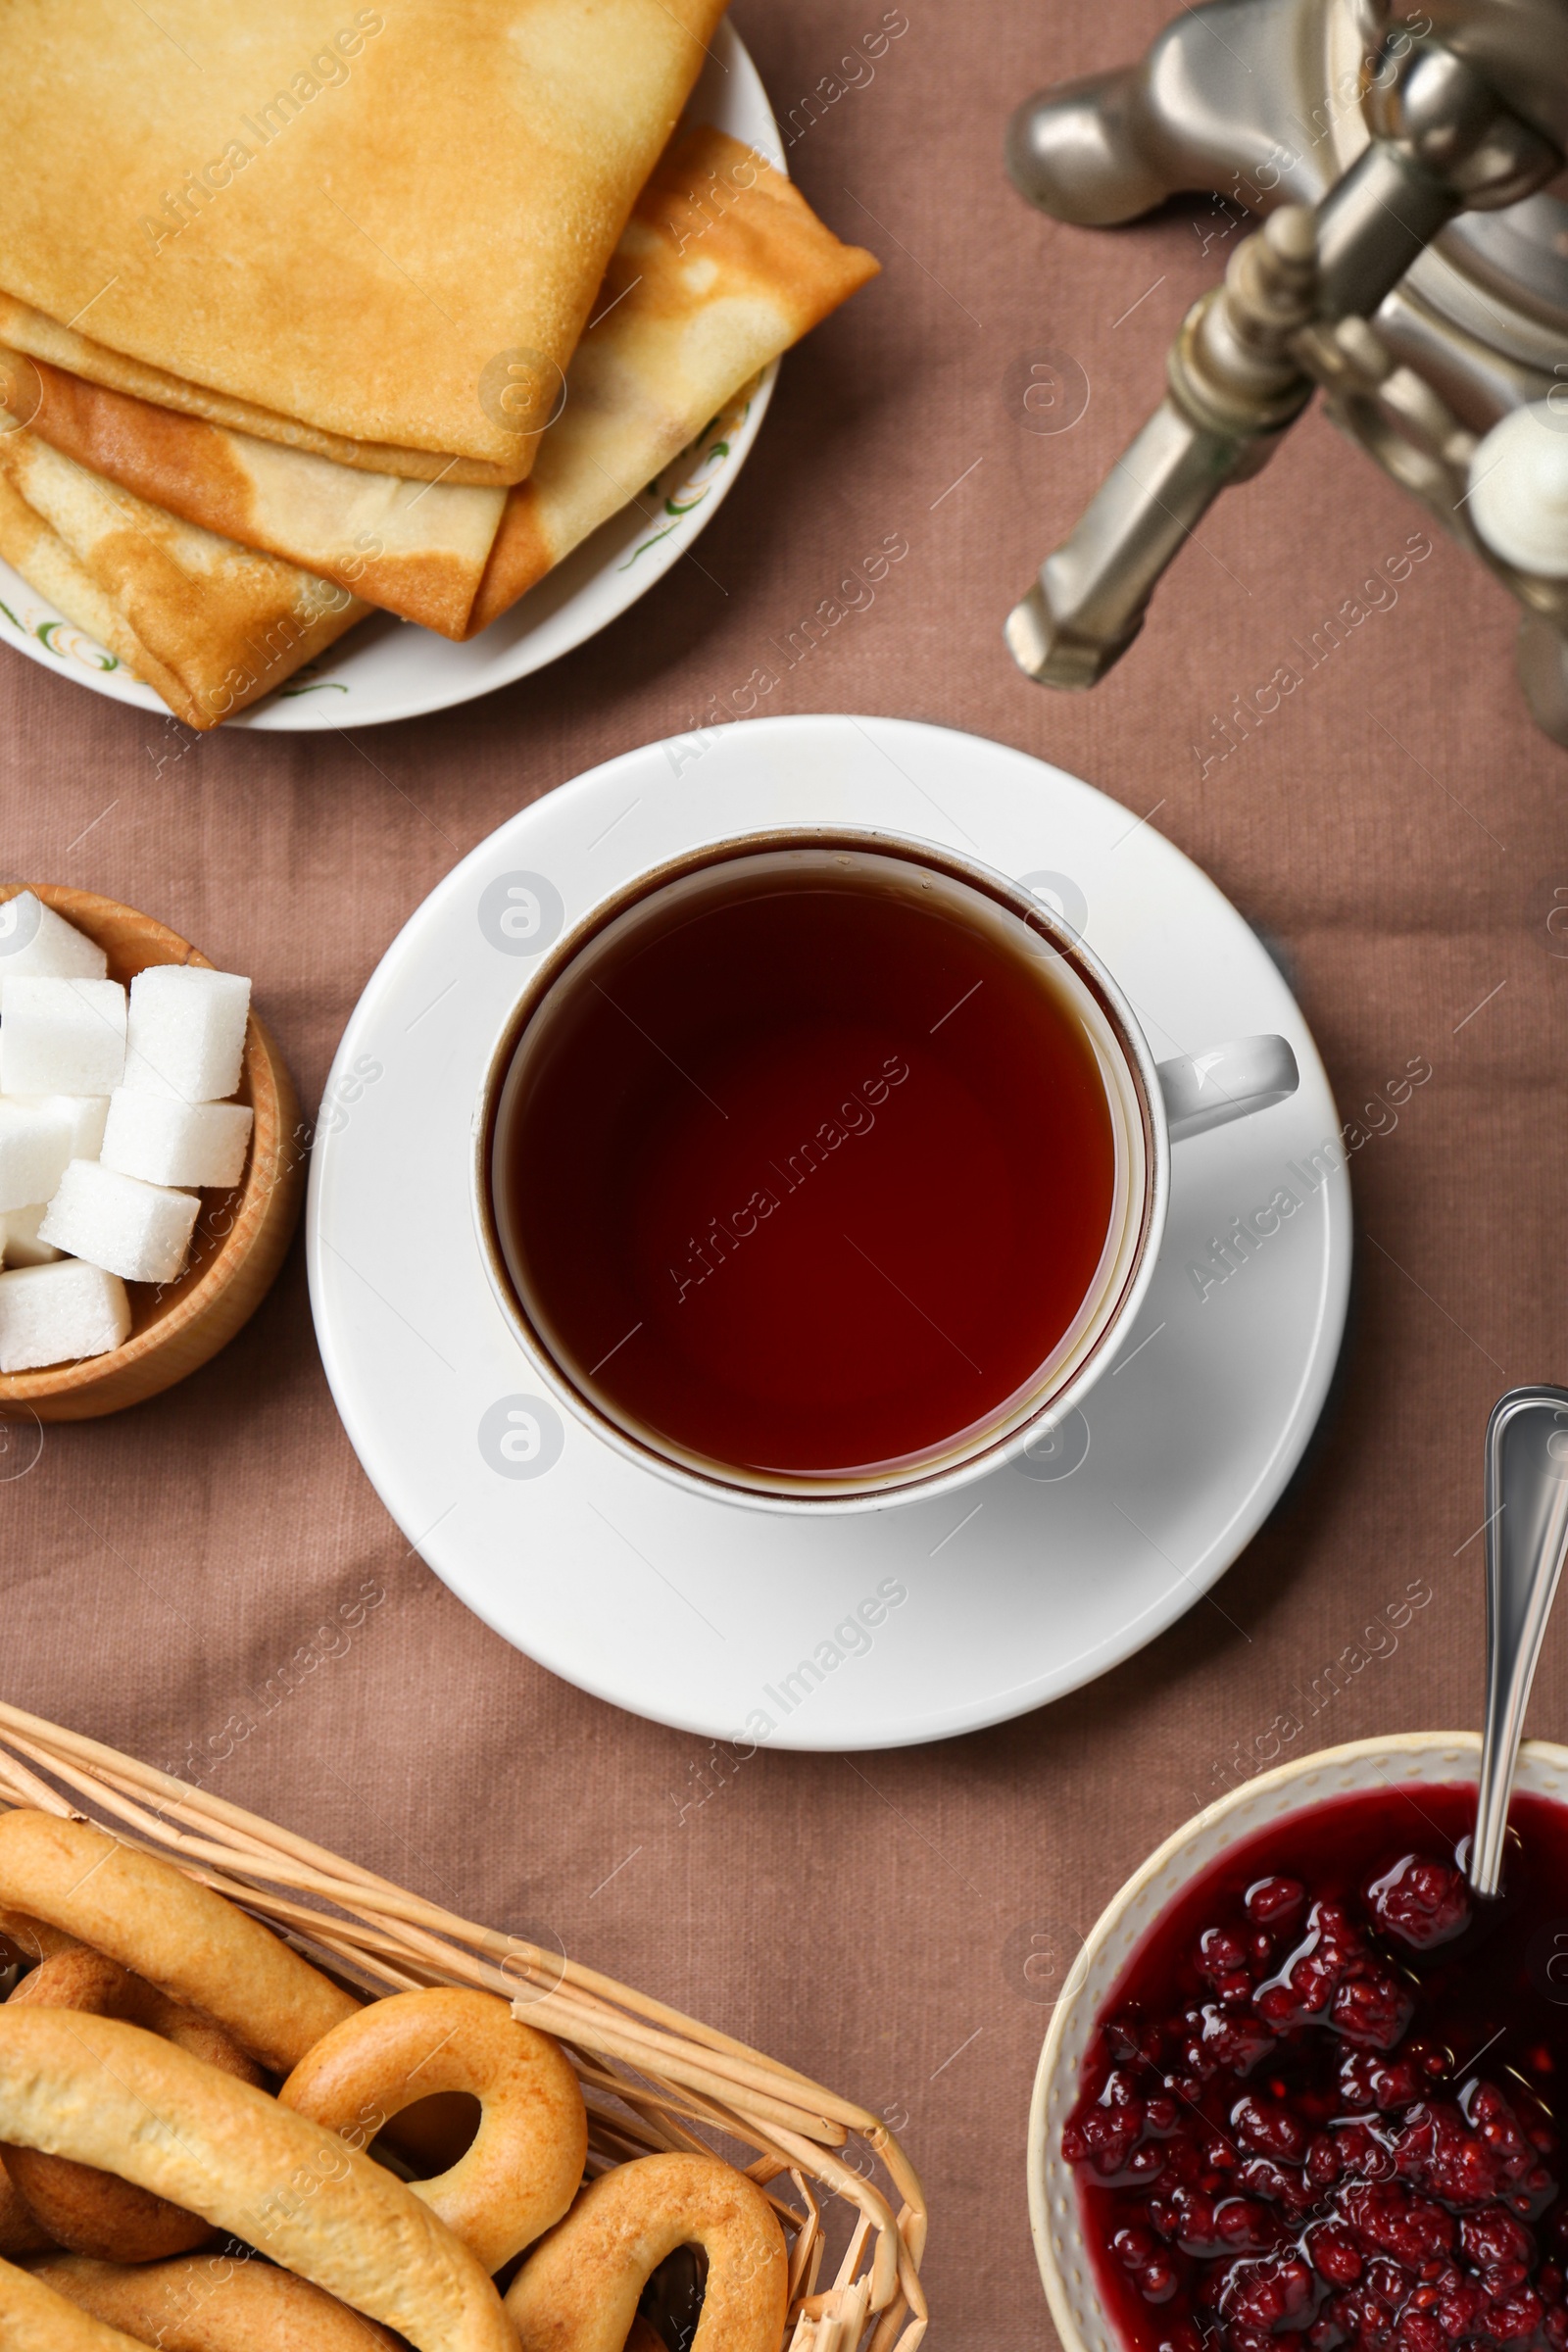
x: 386, y: 668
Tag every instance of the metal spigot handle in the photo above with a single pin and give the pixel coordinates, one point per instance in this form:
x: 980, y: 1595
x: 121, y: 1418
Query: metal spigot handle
x: 1221, y: 418
x: 1234, y: 388
x: 1089, y: 602
x: 1527, y: 1540
x: 1441, y: 140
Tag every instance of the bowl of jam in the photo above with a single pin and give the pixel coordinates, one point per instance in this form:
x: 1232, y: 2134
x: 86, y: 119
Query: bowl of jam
x: 1303, y: 2092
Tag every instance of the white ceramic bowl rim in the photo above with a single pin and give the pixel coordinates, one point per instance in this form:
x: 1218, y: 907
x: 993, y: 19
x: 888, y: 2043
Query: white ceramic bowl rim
x: 1066, y: 2266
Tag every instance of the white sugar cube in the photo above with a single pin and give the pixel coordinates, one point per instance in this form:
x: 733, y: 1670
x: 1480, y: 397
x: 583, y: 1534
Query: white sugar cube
x: 141, y: 1231
x: 49, y: 1314
x: 84, y: 1116
x: 187, y: 1032
x: 19, y: 1245
x: 62, y: 1037
x: 35, y: 943
x: 165, y: 1141
x: 34, y: 1152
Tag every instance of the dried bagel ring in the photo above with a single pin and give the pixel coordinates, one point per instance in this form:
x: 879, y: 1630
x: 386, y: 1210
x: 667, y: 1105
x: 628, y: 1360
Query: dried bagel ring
x: 524, y: 2164
x: 578, y: 2291
x: 20, y: 2232
x: 34, y: 1939
x: 35, y: 2319
x: 200, y: 1950
x: 121, y: 2099
x: 214, y: 2304
x: 78, y: 2206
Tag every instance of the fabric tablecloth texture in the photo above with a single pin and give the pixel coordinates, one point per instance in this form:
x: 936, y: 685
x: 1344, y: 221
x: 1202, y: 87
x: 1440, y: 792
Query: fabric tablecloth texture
x: 1395, y: 828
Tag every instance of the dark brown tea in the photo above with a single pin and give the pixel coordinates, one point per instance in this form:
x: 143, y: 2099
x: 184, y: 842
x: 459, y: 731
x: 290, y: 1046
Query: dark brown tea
x: 806, y: 1166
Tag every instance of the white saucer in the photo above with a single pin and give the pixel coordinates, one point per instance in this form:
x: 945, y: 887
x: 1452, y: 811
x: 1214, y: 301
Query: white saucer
x: 386, y: 668
x: 710, y: 1617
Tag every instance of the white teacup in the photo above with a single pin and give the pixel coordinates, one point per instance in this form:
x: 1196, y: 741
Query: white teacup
x: 1151, y: 1105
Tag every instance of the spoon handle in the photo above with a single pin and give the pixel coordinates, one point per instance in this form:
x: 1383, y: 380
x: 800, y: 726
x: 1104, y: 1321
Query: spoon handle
x: 1527, y: 1538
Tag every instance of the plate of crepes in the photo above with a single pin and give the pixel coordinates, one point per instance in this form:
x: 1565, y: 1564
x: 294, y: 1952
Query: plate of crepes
x: 255, y: 2099
x: 348, y: 372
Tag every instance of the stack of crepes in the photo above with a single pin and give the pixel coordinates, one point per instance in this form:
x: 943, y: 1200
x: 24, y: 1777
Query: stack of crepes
x: 307, y: 311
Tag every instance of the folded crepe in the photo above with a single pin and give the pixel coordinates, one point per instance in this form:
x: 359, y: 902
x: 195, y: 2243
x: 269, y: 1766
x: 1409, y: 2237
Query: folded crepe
x: 45, y: 339
x: 210, y: 626
x: 378, y: 239
x: 722, y: 266
x: 414, y: 548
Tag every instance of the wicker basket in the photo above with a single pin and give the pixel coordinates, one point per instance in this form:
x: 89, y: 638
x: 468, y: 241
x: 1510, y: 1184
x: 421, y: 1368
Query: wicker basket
x: 652, y: 2079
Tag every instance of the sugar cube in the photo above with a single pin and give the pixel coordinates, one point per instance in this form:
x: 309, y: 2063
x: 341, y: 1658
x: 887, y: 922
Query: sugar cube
x: 62, y: 1037
x: 141, y: 1231
x: 165, y: 1141
x: 187, y: 1032
x: 84, y: 1116
x: 35, y: 943
x: 49, y: 1314
x: 34, y: 1152
x: 19, y: 1245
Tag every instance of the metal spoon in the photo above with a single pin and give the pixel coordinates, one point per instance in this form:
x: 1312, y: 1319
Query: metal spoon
x: 1527, y: 1540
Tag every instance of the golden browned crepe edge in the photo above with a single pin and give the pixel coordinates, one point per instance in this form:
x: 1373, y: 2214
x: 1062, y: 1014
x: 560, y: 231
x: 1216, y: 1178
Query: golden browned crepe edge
x: 475, y: 190
x: 43, y: 558
x: 198, y: 471
x: 714, y: 196
x: 241, y: 672
x: 42, y: 338
x: 710, y: 196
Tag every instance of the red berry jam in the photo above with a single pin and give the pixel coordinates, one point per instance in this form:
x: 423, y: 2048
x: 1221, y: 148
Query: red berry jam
x: 1320, y: 2102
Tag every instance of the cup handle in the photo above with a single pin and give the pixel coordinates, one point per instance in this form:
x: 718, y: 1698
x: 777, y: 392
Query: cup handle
x: 1228, y: 1082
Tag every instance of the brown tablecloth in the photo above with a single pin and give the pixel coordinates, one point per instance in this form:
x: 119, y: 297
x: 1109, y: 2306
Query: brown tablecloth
x: 1397, y: 828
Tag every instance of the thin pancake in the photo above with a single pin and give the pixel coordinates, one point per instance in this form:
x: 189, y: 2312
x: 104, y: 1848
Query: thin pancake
x: 413, y: 548
x: 722, y: 267
x: 360, y: 225
x: 27, y: 329
x: 209, y: 625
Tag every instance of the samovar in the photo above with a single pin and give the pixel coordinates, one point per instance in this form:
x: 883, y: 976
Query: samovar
x: 1413, y: 267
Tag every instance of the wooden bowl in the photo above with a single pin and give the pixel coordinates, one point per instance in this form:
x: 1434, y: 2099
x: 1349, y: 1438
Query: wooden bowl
x: 240, y: 1237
